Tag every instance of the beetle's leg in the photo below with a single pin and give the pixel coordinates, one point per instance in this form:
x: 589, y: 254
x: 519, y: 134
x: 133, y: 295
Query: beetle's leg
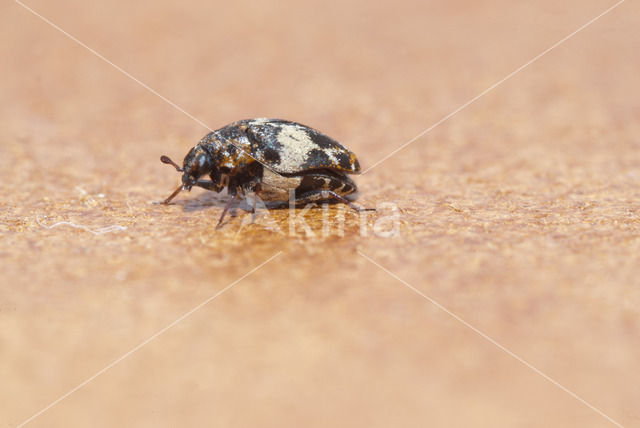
x: 327, y: 195
x: 209, y: 185
x: 226, y: 208
x: 256, y: 189
x: 173, y: 195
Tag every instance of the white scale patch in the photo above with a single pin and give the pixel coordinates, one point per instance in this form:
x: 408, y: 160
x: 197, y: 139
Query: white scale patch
x: 331, y: 153
x: 296, y: 146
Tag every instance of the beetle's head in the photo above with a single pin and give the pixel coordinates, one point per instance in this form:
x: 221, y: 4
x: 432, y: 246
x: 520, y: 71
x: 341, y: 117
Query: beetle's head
x: 197, y: 163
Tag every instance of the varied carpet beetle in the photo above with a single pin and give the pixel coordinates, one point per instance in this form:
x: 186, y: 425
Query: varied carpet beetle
x: 273, y: 158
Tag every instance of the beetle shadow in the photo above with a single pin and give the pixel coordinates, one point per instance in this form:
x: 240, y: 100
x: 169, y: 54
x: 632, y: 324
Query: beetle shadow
x: 210, y: 199
x: 202, y: 202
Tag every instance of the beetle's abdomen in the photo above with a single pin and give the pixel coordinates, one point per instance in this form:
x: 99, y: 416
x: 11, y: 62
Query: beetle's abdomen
x: 326, y: 180
x: 276, y: 187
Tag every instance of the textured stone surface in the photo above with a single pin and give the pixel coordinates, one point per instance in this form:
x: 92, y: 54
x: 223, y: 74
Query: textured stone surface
x: 520, y: 214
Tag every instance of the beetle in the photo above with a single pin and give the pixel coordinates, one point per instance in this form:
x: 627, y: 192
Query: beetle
x: 278, y: 160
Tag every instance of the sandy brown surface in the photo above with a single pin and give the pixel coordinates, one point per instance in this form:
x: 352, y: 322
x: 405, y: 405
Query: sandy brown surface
x: 520, y: 214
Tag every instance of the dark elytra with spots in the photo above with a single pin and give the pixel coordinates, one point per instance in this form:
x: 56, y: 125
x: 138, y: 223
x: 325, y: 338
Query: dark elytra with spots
x: 278, y: 160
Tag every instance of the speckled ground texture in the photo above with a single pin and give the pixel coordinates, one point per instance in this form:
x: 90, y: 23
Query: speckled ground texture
x: 520, y: 215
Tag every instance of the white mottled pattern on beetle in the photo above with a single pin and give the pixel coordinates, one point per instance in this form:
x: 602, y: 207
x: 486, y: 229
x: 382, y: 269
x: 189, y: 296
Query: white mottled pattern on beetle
x: 296, y: 147
x: 291, y: 147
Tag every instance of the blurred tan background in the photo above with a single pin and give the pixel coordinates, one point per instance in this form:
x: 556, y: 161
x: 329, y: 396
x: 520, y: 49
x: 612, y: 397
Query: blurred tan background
x: 520, y: 214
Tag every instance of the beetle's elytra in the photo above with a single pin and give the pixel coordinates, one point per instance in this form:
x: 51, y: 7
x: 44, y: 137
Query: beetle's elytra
x: 270, y: 157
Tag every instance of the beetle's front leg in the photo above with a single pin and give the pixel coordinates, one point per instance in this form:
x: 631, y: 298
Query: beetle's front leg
x: 209, y: 185
x: 226, y: 208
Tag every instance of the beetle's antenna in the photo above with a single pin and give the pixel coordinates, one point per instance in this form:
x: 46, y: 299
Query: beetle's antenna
x: 173, y: 195
x: 166, y: 159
